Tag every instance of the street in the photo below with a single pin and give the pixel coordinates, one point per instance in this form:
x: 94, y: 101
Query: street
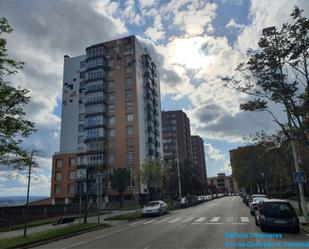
x: 202, y: 226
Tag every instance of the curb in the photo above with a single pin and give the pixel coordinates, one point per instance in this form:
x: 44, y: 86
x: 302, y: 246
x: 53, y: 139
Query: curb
x: 61, y: 237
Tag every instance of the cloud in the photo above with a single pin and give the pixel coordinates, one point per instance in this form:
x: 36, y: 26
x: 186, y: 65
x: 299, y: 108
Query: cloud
x: 154, y: 34
x: 213, y: 153
x: 232, y: 24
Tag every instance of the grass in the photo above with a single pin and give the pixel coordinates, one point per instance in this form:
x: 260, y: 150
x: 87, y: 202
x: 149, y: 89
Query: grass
x: 21, y: 241
x: 30, y: 224
x: 129, y: 216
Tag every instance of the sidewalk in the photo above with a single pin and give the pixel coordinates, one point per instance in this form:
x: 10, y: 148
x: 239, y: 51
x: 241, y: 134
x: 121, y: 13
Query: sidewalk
x: 92, y: 219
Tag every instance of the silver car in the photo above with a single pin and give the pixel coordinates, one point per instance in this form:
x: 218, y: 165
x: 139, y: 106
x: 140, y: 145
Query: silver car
x: 154, y: 208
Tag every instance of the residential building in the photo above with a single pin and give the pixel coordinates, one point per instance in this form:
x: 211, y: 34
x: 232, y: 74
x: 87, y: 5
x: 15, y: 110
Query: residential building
x: 222, y: 183
x: 199, y: 160
x: 176, y: 136
x: 110, y: 118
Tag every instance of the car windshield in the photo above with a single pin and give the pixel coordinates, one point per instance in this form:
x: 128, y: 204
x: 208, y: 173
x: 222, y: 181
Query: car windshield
x: 152, y: 204
x: 258, y: 199
x: 278, y: 210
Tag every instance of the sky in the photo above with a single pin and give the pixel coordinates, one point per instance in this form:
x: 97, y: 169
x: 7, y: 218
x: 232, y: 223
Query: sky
x: 194, y: 44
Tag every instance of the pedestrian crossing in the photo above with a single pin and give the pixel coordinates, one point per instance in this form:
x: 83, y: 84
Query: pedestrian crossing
x: 194, y: 220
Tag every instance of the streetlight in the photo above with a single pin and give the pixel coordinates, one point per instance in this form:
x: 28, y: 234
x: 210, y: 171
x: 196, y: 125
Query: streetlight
x: 272, y: 31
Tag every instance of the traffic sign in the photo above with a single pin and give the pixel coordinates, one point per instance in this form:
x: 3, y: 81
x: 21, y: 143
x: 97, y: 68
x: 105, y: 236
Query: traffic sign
x: 299, y: 176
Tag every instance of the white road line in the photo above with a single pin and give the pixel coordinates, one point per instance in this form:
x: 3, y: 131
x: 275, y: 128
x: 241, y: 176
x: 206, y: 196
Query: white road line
x: 182, y: 226
x: 218, y: 223
x: 147, y: 247
x: 229, y: 219
x: 201, y: 219
x: 161, y: 221
x: 147, y: 222
x: 188, y: 219
x: 174, y: 220
x: 215, y: 219
x: 135, y: 223
x: 244, y: 219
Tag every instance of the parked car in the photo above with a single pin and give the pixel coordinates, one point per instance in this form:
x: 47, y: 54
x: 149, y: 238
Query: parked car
x: 254, y: 203
x: 250, y: 199
x: 154, y: 208
x: 276, y: 214
x: 182, y: 203
x: 192, y: 200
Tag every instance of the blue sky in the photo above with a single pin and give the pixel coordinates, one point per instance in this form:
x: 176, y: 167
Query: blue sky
x: 194, y: 44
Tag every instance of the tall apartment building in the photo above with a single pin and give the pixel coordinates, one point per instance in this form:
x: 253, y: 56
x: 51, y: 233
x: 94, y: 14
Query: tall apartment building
x: 110, y: 118
x: 176, y: 136
x: 198, y: 155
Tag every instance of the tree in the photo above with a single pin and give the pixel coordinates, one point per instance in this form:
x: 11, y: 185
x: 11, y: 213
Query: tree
x: 119, y: 181
x: 190, y: 179
x: 277, y: 73
x: 152, y: 176
x: 13, y: 124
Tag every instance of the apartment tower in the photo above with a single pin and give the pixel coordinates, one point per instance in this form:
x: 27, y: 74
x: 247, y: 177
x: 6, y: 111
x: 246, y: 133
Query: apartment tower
x: 110, y: 119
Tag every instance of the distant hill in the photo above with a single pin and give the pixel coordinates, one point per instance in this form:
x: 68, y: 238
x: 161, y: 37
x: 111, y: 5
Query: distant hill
x: 18, y: 200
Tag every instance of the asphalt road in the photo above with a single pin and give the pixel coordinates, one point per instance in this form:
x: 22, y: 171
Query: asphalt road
x: 202, y: 226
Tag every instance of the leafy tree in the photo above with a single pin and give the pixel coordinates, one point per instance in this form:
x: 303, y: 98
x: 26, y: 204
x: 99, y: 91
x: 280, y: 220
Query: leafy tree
x: 277, y: 73
x: 119, y: 181
x: 13, y: 124
x: 152, y: 176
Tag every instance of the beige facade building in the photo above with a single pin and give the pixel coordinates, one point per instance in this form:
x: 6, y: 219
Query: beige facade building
x: 110, y: 119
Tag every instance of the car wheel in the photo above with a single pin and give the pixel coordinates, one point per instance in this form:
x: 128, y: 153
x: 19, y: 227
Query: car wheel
x: 256, y: 222
x: 160, y: 212
x: 263, y: 229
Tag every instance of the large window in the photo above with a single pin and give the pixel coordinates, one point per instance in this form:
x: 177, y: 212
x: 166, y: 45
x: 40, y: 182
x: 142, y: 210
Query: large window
x: 94, y: 120
x: 58, y: 163
x: 81, y: 128
x: 129, y: 130
x: 111, y: 157
x: 71, y: 188
x: 94, y: 86
x: 80, y: 139
x: 129, y: 94
x: 96, y: 51
x: 95, y: 62
x: 130, y: 155
x: 57, y: 188
x: 111, y: 98
x: 95, y: 74
x: 111, y: 108
x: 111, y: 133
x: 72, y: 161
x: 130, y: 117
x: 128, y: 82
x: 58, y: 176
x: 111, y: 120
x: 95, y: 133
x: 72, y: 175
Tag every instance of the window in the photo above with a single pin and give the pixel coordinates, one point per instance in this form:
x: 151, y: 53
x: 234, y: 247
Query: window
x: 128, y: 82
x: 71, y: 188
x: 110, y: 63
x: 80, y: 139
x: 72, y: 175
x: 128, y: 70
x: 129, y: 94
x: 111, y: 133
x: 130, y: 155
x: 58, y: 176
x: 94, y: 120
x: 81, y: 117
x: 129, y: 105
x: 57, y: 188
x: 128, y: 59
x: 111, y: 145
x: 111, y: 157
x: 58, y: 163
x: 111, y: 108
x: 111, y: 120
x: 111, y: 73
x: 110, y: 85
x: 111, y: 98
x: 72, y: 161
x: 81, y: 128
x: 129, y: 130
x: 129, y: 142
x: 130, y: 117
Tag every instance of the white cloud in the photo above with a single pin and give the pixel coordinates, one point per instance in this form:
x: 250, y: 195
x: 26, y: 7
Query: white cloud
x: 144, y: 4
x: 154, y: 34
x: 213, y: 153
x: 232, y: 24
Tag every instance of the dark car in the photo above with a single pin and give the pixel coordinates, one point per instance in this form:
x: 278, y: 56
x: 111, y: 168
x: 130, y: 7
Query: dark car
x: 276, y: 214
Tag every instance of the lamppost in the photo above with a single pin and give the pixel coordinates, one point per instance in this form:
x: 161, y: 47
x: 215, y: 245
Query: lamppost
x: 272, y: 31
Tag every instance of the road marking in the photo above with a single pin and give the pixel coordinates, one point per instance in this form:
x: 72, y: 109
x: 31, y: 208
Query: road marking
x: 218, y: 223
x: 135, y: 223
x: 147, y: 247
x: 188, y: 219
x: 147, y: 222
x: 160, y: 221
x: 230, y: 219
x: 201, y: 219
x: 244, y: 219
x: 182, y: 226
x: 215, y: 219
x: 174, y: 220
